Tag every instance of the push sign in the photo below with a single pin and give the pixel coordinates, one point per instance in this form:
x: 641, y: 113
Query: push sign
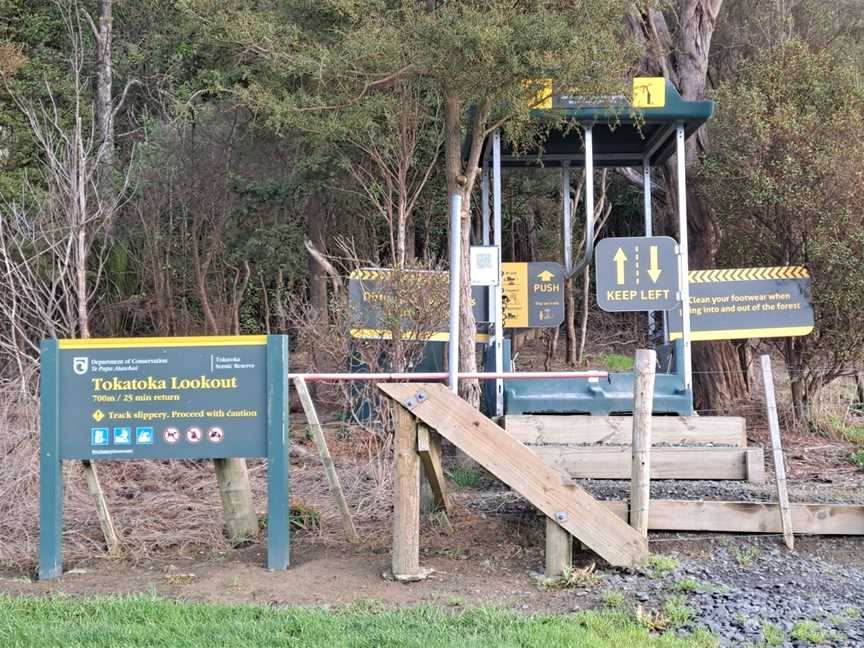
x: 163, y: 398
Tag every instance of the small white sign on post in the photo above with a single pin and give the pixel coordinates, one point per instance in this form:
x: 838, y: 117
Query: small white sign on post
x: 485, y: 265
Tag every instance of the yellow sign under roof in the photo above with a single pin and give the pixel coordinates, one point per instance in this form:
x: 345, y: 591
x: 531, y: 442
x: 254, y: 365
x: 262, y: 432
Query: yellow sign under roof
x: 542, y: 99
x: 649, y: 92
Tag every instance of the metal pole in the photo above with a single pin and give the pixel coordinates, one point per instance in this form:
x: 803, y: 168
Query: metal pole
x: 484, y: 197
x: 567, y: 212
x: 589, y: 191
x: 455, y: 271
x: 649, y: 230
x: 683, y: 257
x: 499, y: 322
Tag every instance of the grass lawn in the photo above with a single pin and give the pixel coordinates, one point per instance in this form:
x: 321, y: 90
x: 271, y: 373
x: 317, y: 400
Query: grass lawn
x: 145, y: 621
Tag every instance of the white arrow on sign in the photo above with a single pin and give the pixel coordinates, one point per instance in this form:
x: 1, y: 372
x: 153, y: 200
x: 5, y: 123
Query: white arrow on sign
x: 620, y: 259
x: 654, y: 269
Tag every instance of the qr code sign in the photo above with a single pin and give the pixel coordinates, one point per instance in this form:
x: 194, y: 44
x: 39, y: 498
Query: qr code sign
x: 485, y: 261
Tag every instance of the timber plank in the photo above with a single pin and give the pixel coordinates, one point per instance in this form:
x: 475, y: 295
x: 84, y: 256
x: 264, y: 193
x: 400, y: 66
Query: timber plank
x: 614, y: 462
x: 429, y: 448
x: 677, y: 430
x: 754, y: 517
x: 516, y: 465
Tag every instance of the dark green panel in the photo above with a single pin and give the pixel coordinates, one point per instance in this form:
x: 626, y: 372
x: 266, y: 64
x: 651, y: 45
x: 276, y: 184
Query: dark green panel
x: 278, y: 465
x: 172, y: 402
x: 50, y: 469
x: 637, y: 273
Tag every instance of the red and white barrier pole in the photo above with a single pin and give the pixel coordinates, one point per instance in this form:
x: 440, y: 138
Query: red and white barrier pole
x: 591, y: 375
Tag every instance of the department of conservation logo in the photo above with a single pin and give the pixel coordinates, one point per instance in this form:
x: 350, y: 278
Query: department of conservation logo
x: 80, y: 365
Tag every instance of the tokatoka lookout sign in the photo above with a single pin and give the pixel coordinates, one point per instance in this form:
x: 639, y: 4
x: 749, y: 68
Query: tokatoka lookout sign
x: 163, y: 398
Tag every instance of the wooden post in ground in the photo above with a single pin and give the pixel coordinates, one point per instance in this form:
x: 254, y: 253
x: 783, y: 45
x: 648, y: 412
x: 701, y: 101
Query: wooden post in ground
x: 112, y: 541
x: 559, y: 549
x: 406, y: 498
x: 238, y: 509
x: 326, y: 459
x: 640, y: 470
x: 777, y: 451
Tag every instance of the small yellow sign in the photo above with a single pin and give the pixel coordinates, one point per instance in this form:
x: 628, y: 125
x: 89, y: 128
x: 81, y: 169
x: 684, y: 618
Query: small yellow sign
x: 649, y: 92
x: 542, y: 99
x: 514, y: 294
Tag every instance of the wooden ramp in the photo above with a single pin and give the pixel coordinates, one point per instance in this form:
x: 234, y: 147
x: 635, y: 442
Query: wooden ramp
x: 572, y: 508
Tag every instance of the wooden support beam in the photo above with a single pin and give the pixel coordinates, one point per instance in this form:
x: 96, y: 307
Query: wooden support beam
x: 112, y: 540
x: 668, y: 430
x: 755, y: 463
x: 754, y: 517
x: 559, y: 549
x: 614, y: 462
x: 514, y: 464
x: 406, y: 498
x: 326, y: 460
x: 640, y: 475
x: 777, y: 450
x: 429, y: 448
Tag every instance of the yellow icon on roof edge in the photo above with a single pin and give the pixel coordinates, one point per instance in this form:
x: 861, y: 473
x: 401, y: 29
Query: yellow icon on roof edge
x: 542, y: 99
x: 649, y: 92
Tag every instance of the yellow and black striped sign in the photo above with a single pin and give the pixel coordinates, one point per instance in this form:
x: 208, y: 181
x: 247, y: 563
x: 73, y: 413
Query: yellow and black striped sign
x: 748, y: 274
x: 740, y: 303
x: 368, y: 274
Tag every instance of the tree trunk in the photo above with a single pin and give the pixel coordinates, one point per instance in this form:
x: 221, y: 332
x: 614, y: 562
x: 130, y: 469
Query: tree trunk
x: 570, y: 322
x: 797, y: 383
x: 238, y: 509
x: 583, y: 325
x: 316, y: 229
x: 104, y: 108
x: 718, y: 381
x: 461, y: 181
x: 468, y: 389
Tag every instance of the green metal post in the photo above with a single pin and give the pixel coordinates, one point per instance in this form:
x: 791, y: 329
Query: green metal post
x: 278, y: 504
x: 50, y: 467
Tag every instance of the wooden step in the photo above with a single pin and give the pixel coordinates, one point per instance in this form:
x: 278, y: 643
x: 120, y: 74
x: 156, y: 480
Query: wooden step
x: 673, y: 430
x: 749, y: 517
x: 584, y: 517
x: 613, y: 462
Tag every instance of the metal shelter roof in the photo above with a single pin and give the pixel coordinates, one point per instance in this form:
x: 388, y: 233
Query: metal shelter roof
x: 622, y: 135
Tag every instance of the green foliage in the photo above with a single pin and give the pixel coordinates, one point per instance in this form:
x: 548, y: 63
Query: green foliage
x: 850, y: 432
x: 661, y: 565
x: 857, y: 458
x: 773, y: 635
x: 692, y: 584
x: 677, y: 611
x: 783, y: 179
x: 613, y: 599
x: 152, y: 622
x: 615, y: 362
x: 746, y: 557
x: 808, y: 630
x: 466, y: 477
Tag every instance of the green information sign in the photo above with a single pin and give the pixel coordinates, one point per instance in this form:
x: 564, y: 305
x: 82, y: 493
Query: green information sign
x: 163, y: 398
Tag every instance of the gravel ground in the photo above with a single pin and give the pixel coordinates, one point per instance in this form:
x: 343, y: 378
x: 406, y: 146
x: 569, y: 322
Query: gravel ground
x: 799, y: 491
x: 744, y: 586
x: 737, y: 585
